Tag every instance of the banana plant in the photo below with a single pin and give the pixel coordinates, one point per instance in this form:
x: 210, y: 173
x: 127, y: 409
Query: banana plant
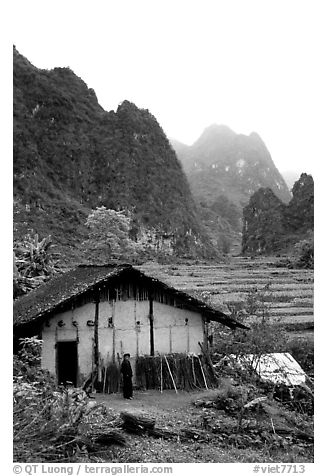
x: 33, y: 263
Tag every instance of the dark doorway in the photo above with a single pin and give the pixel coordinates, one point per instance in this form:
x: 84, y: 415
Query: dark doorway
x: 67, y: 362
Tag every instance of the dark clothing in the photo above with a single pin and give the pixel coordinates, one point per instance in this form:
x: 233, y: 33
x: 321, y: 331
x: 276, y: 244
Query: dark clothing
x: 127, y: 387
x: 127, y: 372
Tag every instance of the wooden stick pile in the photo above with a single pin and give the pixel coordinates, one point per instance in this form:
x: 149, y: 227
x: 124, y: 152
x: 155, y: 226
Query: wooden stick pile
x: 107, y: 380
x: 174, y: 371
x: 111, y: 378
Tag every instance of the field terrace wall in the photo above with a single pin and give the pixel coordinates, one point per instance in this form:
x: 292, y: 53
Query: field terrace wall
x: 125, y: 312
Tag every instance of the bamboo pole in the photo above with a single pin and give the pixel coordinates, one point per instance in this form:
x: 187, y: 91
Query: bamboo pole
x: 120, y: 376
x: 170, y: 341
x: 113, y: 343
x: 104, y: 379
x: 193, y: 371
x: 151, y: 324
x: 171, y: 375
x: 92, y: 367
x: 204, y: 378
x: 105, y: 373
x: 161, y: 374
x: 101, y: 365
x: 96, y: 337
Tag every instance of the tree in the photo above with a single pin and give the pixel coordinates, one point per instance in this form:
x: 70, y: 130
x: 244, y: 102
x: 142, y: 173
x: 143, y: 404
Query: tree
x: 109, y: 236
x: 304, y: 250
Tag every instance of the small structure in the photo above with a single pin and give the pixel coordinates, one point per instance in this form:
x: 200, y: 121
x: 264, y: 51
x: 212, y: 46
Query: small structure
x: 90, y: 316
x: 278, y: 368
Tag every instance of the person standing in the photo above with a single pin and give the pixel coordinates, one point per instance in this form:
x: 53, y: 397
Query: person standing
x: 127, y: 373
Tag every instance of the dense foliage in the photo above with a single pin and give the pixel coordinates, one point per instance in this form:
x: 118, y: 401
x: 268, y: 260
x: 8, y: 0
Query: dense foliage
x: 263, y: 223
x: 34, y: 263
x: 109, y: 236
x: 299, y: 214
x: 305, y: 253
x: 269, y: 226
x: 71, y: 156
x: 222, y: 221
x: 51, y: 423
x: 226, y: 209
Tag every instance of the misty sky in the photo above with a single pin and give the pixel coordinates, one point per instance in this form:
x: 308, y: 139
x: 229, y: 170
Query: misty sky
x: 252, y: 65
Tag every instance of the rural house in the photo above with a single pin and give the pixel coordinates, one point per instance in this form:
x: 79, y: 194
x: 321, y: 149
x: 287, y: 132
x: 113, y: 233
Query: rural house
x: 93, y: 314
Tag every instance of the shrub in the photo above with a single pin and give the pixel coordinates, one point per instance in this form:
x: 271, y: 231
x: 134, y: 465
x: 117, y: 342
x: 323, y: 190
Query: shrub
x: 51, y: 423
x: 305, y: 253
x: 27, y: 362
x: 303, y: 351
x: 263, y: 336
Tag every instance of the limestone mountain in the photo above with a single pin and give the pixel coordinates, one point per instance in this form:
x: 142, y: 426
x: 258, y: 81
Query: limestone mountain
x: 224, y: 169
x: 70, y: 156
x: 299, y: 215
x: 271, y: 226
x: 222, y: 162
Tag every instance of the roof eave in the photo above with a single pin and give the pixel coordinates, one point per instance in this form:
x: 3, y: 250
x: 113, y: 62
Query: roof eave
x: 200, y: 306
x: 227, y: 321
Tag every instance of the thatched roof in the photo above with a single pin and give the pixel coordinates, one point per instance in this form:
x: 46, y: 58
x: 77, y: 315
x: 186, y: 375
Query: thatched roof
x: 64, y: 288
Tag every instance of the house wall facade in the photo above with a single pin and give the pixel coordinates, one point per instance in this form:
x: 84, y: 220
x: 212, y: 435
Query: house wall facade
x: 123, y: 326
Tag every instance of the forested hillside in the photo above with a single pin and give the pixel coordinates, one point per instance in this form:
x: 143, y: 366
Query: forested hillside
x: 71, y: 156
x: 271, y: 226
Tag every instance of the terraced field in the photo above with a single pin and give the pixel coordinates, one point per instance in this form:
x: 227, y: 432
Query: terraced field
x: 290, y: 294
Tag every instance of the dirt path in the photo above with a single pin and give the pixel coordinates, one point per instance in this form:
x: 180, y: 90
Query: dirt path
x: 176, y: 411
x: 154, y: 402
